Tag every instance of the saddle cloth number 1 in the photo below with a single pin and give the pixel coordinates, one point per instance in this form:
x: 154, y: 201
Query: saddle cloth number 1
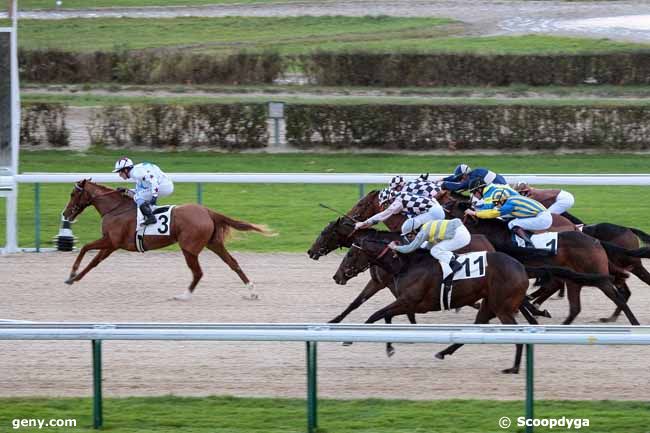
x: 474, y: 265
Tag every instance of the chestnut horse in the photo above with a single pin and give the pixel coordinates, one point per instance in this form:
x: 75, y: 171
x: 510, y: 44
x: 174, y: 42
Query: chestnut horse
x: 193, y: 226
x: 502, y: 289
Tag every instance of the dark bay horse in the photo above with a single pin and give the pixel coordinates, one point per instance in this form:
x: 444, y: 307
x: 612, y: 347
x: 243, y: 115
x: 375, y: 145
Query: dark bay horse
x: 576, y: 251
x: 341, y: 233
x: 419, y: 277
x: 193, y: 226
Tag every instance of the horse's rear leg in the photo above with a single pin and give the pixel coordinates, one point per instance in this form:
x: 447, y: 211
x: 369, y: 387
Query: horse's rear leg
x: 613, y: 294
x: 220, y: 250
x: 643, y: 275
x: 484, y: 315
x: 192, y: 261
x: 509, y: 319
x: 625, y: 292
x: 99, y: 244
x: 101, y: 255
x: 575, y: 306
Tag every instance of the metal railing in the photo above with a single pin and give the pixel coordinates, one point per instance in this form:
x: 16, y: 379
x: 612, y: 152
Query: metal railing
x: 360, y: 179
x: 311, y: 334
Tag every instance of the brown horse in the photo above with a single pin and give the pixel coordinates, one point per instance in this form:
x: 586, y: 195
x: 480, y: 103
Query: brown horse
x: 576, y: 251
x: 193, y: 226
x: 621, y: 245
x: 502, y: 289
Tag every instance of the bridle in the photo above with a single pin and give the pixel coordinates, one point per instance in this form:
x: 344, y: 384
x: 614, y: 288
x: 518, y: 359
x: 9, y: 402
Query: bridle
x: 77, y: 209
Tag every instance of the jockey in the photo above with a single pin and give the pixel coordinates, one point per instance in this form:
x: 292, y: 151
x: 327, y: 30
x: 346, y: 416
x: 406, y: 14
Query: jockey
x: 556, y: 200
x: 483, y: 195
x: 418, y: 207
x: 527, y: 214
x: 464, y: 176
x: 442, y: 237
x: 150, y: 183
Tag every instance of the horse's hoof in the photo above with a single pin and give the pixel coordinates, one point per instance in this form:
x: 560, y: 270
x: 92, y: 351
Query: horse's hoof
x: 346, y: 343
x: 69, y: 281
x: 183, y: 297
x: 440, y: 355
x: 251, y: 297
x: 335, y: 320
x: 512, y: 370
x: 546, y: 314
x: 606, y: 320
x: 390, y: 352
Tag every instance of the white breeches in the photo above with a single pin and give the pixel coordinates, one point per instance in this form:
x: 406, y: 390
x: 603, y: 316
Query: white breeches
x: 563, y: 202
x: 145, y: 195
x: 435, y: 213
x: 443, y: 249
x: 542, y: 221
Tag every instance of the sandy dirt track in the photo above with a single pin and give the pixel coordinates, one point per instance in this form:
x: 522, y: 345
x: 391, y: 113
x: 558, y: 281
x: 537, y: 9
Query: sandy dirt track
x: 131, y: 288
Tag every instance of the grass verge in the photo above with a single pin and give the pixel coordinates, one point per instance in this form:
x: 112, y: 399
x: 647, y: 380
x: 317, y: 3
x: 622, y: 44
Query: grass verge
x: 265, y: 415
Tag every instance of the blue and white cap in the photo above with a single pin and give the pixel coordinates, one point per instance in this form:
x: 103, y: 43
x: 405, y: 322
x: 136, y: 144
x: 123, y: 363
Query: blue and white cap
x: 462, y: 169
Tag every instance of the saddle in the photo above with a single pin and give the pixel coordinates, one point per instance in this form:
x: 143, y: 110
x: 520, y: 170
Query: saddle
x: 474, y: 265
x: 162, y: 227
x: 547, y: 241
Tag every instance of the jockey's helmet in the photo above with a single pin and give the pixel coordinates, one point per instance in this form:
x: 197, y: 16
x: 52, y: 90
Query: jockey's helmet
x: 500, y: 196
x: 384, y: 196
x: 396, y: 183
x: 122, y: 163
x: 462, y: 169
x: 408, y: 226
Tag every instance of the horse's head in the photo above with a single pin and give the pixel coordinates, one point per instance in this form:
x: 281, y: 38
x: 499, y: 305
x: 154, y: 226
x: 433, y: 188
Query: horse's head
x: 335, y: 235
x: 366, y: 207
x: 359, y: 258
x: 80, y: 199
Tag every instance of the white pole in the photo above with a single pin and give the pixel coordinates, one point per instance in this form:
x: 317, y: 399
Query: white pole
x: 12, y: 199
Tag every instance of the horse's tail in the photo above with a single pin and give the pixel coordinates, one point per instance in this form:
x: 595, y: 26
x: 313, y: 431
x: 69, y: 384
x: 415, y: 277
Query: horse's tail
x: 641, y: 235
x: 223, y: 224
x: 546, y: 273
x: 619, y: 254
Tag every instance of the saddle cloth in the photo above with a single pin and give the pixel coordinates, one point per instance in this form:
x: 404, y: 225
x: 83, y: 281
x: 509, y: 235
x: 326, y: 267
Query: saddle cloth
x: 474, y: 266
x: 162, y: 227
x: 543, y: 241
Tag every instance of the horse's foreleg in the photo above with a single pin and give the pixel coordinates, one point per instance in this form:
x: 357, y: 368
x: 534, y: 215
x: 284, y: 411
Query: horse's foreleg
x: 192, y: 261
x: 99, y: 244
x: 220, y: 250
x: 391, y: 310
x: 573, y: 296
x: 101, y: 255
x: 368, y: 292
x: 484, y: 315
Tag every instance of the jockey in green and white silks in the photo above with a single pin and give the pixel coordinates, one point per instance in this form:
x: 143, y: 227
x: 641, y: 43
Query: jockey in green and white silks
x: 442, y: 237
x: 150, y: 183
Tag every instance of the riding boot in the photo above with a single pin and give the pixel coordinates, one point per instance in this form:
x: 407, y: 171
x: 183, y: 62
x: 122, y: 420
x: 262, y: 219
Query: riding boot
x: 145, y: 208
x: 519, y: 231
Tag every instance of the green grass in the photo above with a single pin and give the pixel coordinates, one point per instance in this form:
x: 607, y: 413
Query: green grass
x: 292, y: 210
x: 79, y: 99
x: 264, y: 415
x: 223, y: 35
x: 87, y: 4
x: 293, y: 35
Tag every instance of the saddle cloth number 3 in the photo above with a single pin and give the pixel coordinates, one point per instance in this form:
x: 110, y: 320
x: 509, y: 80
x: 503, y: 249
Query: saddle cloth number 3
x: 474, y: 265
x: 162, y: 226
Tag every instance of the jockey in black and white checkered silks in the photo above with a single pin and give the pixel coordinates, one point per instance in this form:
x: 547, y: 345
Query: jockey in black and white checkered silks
x: 412, y: 199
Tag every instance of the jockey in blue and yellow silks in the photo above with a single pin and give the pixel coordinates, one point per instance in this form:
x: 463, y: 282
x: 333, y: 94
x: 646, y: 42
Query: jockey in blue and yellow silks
x: 490, y: 191
x: 526, y: 214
